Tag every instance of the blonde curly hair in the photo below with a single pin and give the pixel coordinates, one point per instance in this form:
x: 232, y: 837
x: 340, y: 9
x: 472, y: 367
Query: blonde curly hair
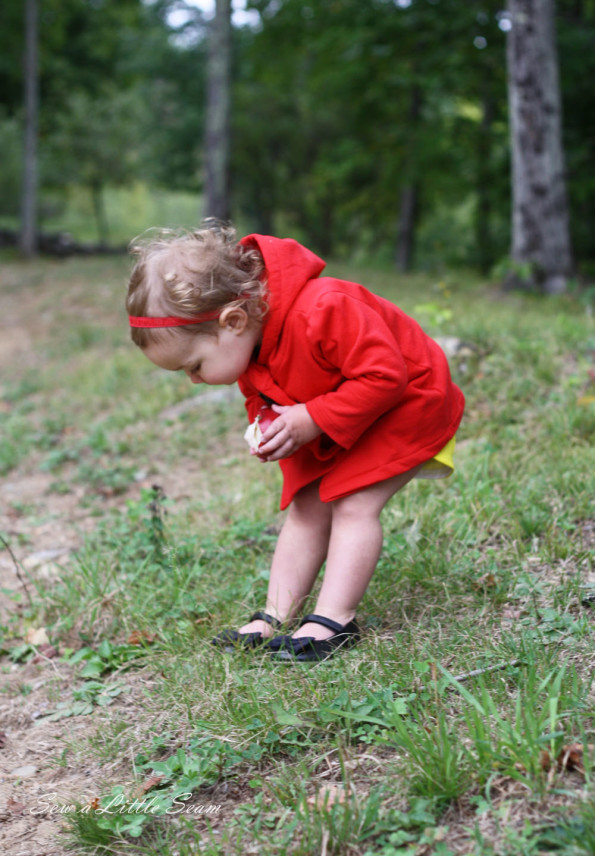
x: 185, y: 273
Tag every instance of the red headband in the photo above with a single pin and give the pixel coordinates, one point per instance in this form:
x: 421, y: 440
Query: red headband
x: 172, y: 320
x: 176, y: 321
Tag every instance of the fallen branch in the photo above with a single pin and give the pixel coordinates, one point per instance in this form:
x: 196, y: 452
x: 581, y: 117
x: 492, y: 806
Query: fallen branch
x: 473, y: 674
x: 465, y: 676
x: 17, y: 569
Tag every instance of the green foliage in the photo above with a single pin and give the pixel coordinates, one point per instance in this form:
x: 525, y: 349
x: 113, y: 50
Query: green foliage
x: 10, y: 144
x: 95, y: 142
x: 82, y: 45
x: 576, y: 31
x: 380, y: 94
x: 113, y: 105
x: 573, y: 836
x: 171, y: 782
x: 338, y: 108
x: 106, y: 658
x: 409, y: 829
x: 22, y: 653
x: 84, y: 698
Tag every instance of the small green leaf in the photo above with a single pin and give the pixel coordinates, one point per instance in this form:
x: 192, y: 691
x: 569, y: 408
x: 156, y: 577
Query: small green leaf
x: 286, y: 717
x: 105, y: 650
x: 93, y: 669
x: 81, y: 654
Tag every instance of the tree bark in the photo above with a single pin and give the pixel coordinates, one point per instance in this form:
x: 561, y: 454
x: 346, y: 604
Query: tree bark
x: 407, y: 224
x: 217, y: 132
x: 100, y: 213
x: 28, y: 236
x: 541, y: 247
x: 409, y: 207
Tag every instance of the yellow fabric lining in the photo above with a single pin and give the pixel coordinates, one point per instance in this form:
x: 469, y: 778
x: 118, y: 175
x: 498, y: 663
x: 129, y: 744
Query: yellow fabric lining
x: 441, y: 466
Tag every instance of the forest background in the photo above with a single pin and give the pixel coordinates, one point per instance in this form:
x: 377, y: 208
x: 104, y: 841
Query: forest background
x: 374, y: 130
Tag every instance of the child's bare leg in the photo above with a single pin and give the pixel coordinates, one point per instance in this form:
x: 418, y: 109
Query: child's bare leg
x: 354, y: 549
x: 301, y: 549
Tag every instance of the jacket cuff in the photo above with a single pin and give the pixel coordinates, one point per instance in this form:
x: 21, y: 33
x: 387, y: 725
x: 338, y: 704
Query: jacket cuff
x: 339, y: 435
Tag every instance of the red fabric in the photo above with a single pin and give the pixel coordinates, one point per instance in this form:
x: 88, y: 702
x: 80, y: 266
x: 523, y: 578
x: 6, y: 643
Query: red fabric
x: 172, y: 320
x: 376, y: 384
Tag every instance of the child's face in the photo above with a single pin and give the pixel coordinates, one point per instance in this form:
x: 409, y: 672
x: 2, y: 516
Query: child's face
x: 211, y: 359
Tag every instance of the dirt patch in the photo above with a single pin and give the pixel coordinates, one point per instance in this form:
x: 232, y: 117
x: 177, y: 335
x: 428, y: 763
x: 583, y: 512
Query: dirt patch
x: 45, y: 769
x: 43, y: 527
x: 14, y: 343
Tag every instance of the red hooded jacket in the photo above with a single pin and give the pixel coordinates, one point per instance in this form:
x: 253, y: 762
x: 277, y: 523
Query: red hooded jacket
x: 372, y: 380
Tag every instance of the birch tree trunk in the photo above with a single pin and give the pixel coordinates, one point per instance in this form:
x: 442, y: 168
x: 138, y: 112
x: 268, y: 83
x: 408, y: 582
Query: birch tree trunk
x: 217, y: 132
x: 540, y: 232
x: 28, y: 236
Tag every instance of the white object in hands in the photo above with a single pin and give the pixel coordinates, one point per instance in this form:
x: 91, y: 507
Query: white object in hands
x: 253, y: 435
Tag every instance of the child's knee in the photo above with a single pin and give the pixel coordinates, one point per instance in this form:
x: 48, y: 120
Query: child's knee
x: 355, y: 508
x: 307, y: 504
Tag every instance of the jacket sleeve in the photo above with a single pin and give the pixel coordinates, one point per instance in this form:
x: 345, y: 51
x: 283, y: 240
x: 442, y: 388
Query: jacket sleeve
x: 348, y: 334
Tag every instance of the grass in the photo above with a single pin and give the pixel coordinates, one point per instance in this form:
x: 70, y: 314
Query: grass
x: 392, y: 748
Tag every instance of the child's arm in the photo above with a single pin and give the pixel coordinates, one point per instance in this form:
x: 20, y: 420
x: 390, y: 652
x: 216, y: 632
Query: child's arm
x: 292, y: 429
x: 346, y: 333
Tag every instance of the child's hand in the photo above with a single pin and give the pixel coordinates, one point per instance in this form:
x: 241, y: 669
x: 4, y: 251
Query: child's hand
x: 285, y: 435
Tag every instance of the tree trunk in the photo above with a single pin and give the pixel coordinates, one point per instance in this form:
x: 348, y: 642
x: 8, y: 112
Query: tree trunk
x: 407, y: 223
x: 28, y: 236
x: 217, y: 132
x: 100, y: 214
x: 540, y: 231
x: 409, y: 207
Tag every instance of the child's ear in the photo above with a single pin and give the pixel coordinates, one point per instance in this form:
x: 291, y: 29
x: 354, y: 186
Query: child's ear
x: 234, y: 318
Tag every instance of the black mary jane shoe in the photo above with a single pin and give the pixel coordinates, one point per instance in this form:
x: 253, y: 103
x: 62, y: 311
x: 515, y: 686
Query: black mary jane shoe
x: 233, y: 640
x: 307, y: 649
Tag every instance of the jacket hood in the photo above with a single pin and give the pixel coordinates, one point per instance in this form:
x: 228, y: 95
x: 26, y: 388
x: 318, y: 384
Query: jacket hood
x: 289, y: 267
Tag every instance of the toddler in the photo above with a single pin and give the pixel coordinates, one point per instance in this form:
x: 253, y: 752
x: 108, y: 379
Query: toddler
x: 363, y: 400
